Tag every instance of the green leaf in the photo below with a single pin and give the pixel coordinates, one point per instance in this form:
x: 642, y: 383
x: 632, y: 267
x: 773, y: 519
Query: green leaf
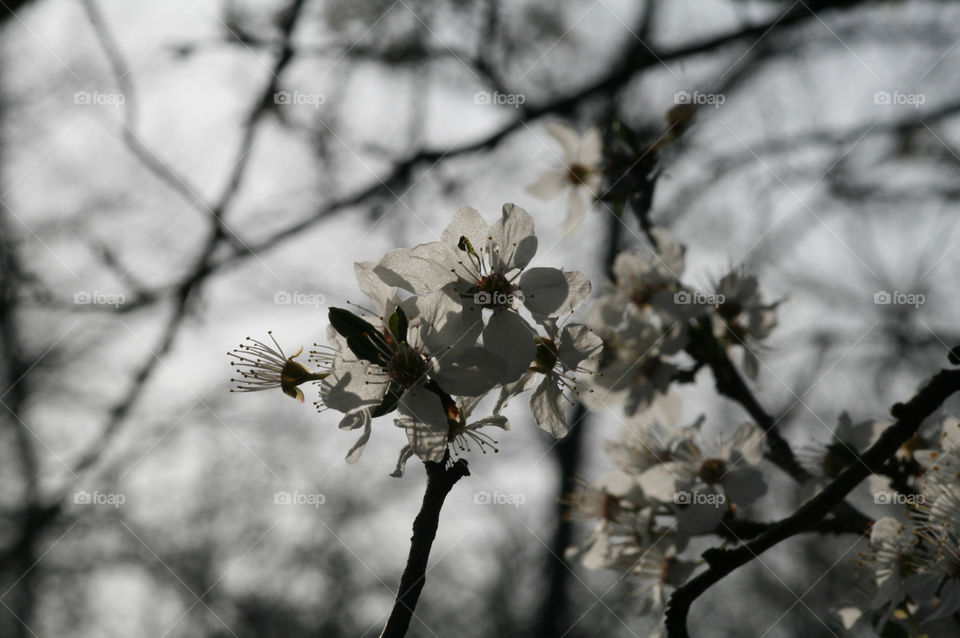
x: 363, y: 339
x: 398, y: 325
x: 348, y: 324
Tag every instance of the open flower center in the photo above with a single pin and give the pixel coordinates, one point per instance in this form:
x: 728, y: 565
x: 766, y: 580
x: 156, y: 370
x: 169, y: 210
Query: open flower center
x: 712, y: 470
x: 546, y: 358
x: 577, y: 174
x: 494, y: 291
x: 407, y: 366
x: 642, y: 294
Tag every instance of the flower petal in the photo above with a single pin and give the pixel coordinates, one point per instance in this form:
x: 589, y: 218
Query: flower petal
x: 508, y: 336
x: 514, y: 238
x: 546, y: 404
x: 549, y: 292
x: 422, y: 415
x: 549, y: 186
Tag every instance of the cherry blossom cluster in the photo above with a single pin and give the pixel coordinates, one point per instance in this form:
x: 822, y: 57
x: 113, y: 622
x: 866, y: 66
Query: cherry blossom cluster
x: 910, y: 574
x: 448, y: 322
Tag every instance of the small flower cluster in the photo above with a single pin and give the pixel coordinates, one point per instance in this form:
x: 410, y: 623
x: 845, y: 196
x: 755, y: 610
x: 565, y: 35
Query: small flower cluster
x: 671, y: 482
x: 911, y: 571
x: 451, y: 321
x: 648, y: 316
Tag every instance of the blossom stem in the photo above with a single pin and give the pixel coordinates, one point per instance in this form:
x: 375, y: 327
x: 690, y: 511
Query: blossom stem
x: 440, y: 480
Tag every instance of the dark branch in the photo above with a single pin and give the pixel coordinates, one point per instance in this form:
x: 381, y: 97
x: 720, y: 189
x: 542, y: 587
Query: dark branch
x: 440, y: 480
x: 721, y: 562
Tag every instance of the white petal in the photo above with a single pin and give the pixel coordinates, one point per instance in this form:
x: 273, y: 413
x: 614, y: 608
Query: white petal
x: 549, y: 292
x: 660, y: 481
x: 354, y: 454
x: 747, y: 442
x: 421, y: 269
x: 405, y: 453
x: 549, y: 186
x: 514, y: 236
x: 349, y: 388
x: 547, y: 404
x: 469, y: 372
x: 577, y: 209
x: 373, y: 286
x: 577, y: 342
x: 568, y: 139
x: 508, y: 336
x: 744, y: 485
x: 467, y: 222
x: 591, y: 148
x: 422, y: 415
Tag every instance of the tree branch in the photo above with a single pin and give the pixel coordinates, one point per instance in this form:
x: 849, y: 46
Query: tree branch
x: 440, y: 480
x: 721, y: 562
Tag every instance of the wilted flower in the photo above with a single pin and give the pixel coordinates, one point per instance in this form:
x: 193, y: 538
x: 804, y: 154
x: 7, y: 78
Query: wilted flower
x: 580, y: 174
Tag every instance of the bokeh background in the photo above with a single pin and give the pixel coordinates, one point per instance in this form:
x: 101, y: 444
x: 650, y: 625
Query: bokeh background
x: 160, y: 203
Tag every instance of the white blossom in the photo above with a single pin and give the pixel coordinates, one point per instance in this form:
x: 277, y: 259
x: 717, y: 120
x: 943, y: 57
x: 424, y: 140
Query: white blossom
x: 579, y: 175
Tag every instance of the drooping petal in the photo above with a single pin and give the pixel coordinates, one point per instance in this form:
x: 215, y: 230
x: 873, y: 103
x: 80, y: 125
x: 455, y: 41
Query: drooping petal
x: 422, y: 416
x: 405, y: 453
x: 546, y: 404
x: 353, y: 455
x: 550, y: 292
